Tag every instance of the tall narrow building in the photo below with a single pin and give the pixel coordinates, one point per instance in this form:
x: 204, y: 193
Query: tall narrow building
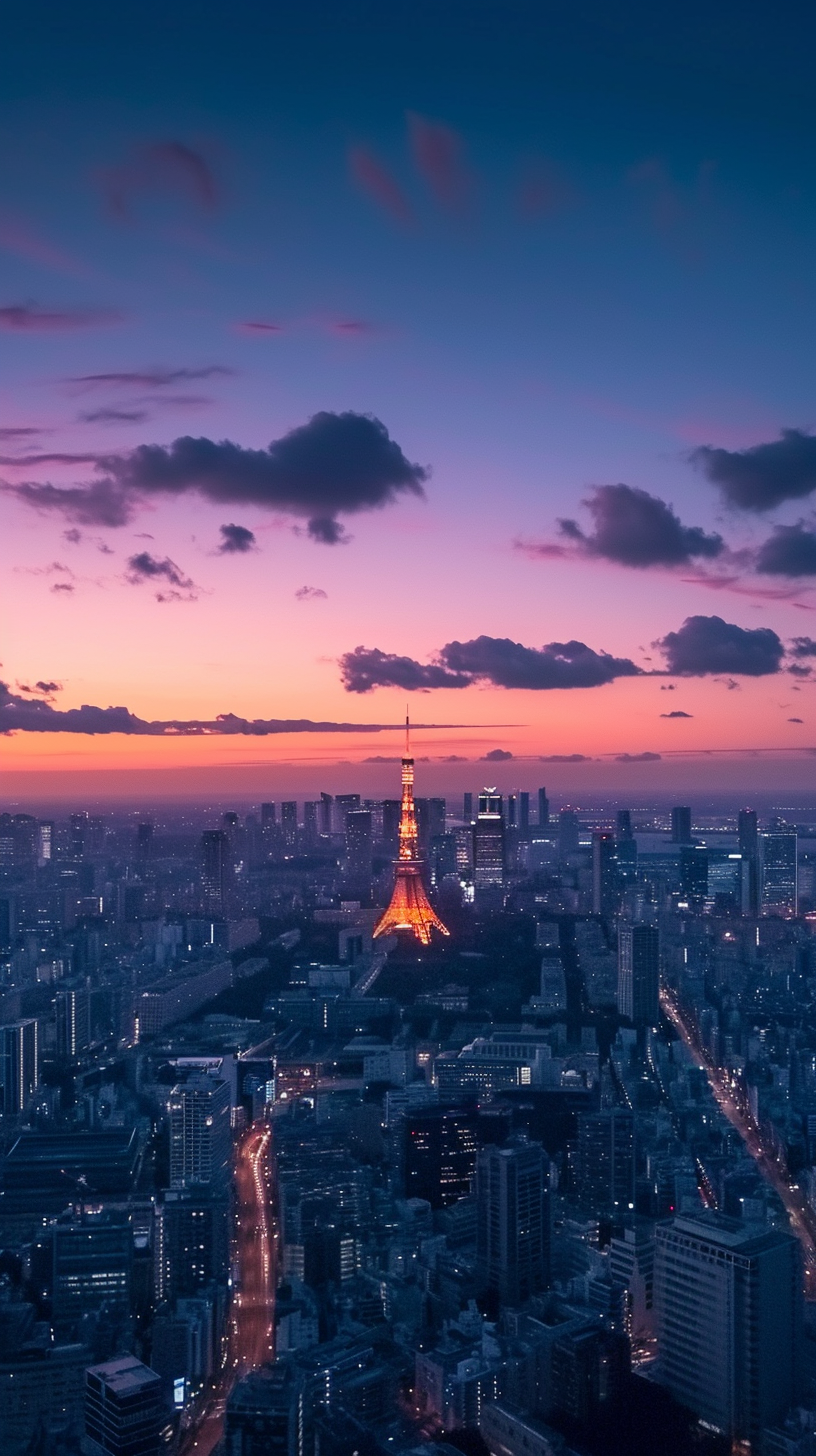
x: 513, y: 1219
x: 409, y: 909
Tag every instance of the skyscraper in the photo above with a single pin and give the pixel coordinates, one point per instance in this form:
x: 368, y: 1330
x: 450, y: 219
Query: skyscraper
x: 749, y: 849
x: 605, y: 885
x: 569, y: 833
x: 524, y: 812
x: 778, y: 873
x: 19, y: 1064
x: 694, y: 873
x: 200, y: 1136
x: 624, y: 824
x: 513, y: 1219
x: 123, y: 1408
x: 543, y: 809
x: 467, y: 808
x: 289, y: 824
x: 439, y: 1153
x: 488, y: 841
x: 359, y: 850
x: 639, y: 974
x: 409, y: 908
x: 728, y: 1306
x: 216, y: 870
x: 681, y: 824
x: 606, y: 1160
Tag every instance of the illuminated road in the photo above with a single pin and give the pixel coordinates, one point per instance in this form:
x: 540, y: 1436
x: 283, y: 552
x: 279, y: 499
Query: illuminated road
x: 733, y: 1106
x: 251, y: 1340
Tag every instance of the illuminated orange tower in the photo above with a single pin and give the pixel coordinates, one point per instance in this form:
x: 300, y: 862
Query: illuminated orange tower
x: 410, y: 908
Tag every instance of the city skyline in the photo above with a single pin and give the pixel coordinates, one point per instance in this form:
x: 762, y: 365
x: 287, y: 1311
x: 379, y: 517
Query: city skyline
x: 527, y: 324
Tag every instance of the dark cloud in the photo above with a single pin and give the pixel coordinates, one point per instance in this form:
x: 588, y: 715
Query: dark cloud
x: 164, y: 167
x: 113, y: 416
x: 367, y: 667
x: 327, y: 531
x: 337, y: 463
x: 564, y: 758
x: 497, y: 660
x: 790, y: 551
x: 43, y: 689
x: 497, y: 755
x: 63, y: 587
x: 374, y: 178
x: 799, y: 671
x: 310, y: 594
x: 638, y: 529
x: 637, y: 757
x: 803, y: 647
x: 19, y: 432
x: 453, y: 758
x: 149, y: 378
x: 257, y: 326
x: 26, y: 715
x: 438, y: 154
x: 236, y: 539
x: 710, y: 645
x: 678, y: 713
x: 508, y: 664
x: 763, y: 475
x: 28, y: 318
x: 100, y: 503
x: 796, y: 720
x: 144, y: 567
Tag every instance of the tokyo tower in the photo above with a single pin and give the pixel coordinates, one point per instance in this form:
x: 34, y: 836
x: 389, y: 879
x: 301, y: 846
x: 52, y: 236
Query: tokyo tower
x: 410, y: 908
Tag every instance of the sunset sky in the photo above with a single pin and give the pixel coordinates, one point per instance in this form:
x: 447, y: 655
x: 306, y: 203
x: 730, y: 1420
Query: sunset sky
x: 520, y: 295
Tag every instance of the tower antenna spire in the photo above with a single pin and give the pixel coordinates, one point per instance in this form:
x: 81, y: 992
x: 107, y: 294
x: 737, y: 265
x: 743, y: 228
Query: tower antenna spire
x: 407, y: 734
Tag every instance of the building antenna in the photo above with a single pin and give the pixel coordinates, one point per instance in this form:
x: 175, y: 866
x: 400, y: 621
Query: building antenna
x: 407, y: 734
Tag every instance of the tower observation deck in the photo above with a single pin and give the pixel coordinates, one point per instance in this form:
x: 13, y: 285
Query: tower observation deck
x: 409, y: 908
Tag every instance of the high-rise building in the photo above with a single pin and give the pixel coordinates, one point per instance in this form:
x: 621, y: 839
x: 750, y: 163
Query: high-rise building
x: 268, y: 1413
x: 728, y: 1305
x: 681, y: 824
x: 191, y: 1249
x: 624, y: 824
x: 543, y: 809
x: 693, y: 873
x: 524, y: 812
x: 512, y: 811
x: 467, y: 808
x: 409, y: 908
x: 216, y: 876
x: 289, y: 821
x: 606, y: 1161
x: 91, y: 1265
x: 569, y: 833
x: 778, y: 873
x: 123, y: 1408
x: 144, y: 843
x: 311, y: 822
x: 326, y: 813
x: 73, y: 1017
x: 359, y: 849
x: 200, y: 1137
x: 488, y: 841
x: 19, y: 1064
x: 512, y: 1187
x: 639, y: 974
x: 747, y: 830
x: 46, y: 845
x: 605, y: 883
x: 439, y: 1153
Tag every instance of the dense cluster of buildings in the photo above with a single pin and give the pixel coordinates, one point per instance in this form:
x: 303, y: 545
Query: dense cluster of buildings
x: 541, y: 1184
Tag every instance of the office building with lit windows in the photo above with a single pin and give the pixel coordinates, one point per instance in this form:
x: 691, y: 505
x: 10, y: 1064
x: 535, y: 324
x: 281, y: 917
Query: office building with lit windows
x: 512, y: 1186
x: 488, y: 842
x: 778, y: 873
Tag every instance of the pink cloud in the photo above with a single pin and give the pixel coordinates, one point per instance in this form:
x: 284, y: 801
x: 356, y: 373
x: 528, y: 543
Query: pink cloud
x: 17, y: 237
x: 543, y: 189
x: 160, y: 168
x: 27, y: 318
x: 438, y: 154
x: 374, y: 179
x: 258, y: 326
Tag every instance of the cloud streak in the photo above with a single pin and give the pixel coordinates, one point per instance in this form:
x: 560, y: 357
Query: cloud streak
x: 18, y: 714
x: 438, y: 155
x: 373, y: 177
x: 29, y: 318
x: 162, y: 168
